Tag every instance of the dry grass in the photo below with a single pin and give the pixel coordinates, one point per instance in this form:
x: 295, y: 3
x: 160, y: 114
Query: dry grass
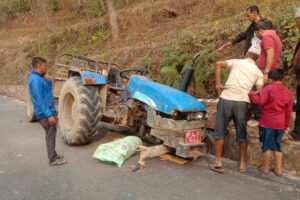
x: 146, y: 28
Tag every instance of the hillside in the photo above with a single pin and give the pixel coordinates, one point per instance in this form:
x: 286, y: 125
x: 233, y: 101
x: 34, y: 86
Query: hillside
x: 162, y: 35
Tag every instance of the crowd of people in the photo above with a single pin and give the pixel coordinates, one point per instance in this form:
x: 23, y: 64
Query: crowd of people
x: 254, y: 94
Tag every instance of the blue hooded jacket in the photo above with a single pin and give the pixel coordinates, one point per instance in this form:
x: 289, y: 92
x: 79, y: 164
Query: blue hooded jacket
x: 41, y: 95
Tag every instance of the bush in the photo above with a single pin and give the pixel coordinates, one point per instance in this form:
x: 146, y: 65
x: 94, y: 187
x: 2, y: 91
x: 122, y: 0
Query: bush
x: 99, y: 36
x: 146, y: 62
x: 172, y: 65
x: 55, y: 4
x: 22, y: 5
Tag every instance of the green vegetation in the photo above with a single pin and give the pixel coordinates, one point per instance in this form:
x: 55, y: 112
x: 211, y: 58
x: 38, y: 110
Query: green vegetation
x: 162, y: 36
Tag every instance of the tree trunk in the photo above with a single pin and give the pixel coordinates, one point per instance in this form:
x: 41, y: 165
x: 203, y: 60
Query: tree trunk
x: 30, y: 5
x: 113, y: 18
x: 61, y: 3
x: 102, y: 5
x: 79, y: 5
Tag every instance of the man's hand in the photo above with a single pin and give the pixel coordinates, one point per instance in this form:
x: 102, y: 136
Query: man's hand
x: 287, y: 130
x: 223, y: 47
x: 51, y: 120
x: 220, y: 89
x: 46, y: 77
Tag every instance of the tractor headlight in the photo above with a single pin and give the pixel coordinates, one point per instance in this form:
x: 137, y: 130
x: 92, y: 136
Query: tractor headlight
x: 197, y: 115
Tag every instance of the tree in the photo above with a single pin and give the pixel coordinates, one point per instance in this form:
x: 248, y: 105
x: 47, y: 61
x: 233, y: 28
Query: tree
x: 113, y: 18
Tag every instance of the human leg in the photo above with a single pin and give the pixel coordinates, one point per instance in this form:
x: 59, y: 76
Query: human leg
x: 223, y: 117
x: 240, y: 117
x: 266, y: 161
x: 278, y: 161
x: 50, y: 138
x: 296, y: 132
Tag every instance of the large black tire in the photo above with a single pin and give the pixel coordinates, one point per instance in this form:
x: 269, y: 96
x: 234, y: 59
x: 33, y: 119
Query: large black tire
x: 30, y: 112
x: 79, y: 112
x: 209, y: 140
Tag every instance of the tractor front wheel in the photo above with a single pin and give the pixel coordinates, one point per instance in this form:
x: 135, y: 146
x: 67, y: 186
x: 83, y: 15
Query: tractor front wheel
x: 208, y: 139
x: 79, y: 112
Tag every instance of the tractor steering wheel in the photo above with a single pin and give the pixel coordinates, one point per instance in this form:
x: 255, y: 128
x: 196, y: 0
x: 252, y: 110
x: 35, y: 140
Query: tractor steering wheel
x: 137, y: 71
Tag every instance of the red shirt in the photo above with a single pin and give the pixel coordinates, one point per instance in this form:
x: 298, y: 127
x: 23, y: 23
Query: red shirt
x: 270, y: 40
x: 277, y: 106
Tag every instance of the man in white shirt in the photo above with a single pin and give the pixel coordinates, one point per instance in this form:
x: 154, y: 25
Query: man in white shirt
x: 234, y: 102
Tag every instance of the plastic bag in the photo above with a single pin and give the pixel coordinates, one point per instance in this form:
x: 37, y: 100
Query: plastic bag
x: 117, y: 151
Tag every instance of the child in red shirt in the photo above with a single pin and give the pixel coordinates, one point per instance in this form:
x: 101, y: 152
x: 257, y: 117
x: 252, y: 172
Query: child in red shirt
x: 277, y: 107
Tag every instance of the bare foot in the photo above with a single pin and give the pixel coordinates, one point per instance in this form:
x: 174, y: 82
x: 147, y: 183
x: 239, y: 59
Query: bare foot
x: 58, y: 163
x: 264, y: 170
x: 242, y: 167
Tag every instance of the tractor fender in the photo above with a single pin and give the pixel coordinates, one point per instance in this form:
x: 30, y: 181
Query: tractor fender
x: 88, y: 78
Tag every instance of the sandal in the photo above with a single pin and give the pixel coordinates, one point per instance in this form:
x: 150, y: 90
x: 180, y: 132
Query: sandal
x: 216, y: 168
x: 58, y: 163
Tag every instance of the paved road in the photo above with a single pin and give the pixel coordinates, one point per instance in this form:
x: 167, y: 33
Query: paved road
x: 25, y: 174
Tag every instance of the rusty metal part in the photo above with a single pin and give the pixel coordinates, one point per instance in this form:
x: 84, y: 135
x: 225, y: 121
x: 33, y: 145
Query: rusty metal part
x: 172, y: 133
x: 136, y: 114
x: 156, y: 121
x: 177, y: 142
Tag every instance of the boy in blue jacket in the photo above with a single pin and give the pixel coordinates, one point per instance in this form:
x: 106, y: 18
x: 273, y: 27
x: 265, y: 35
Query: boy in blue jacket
x: 40, y: 89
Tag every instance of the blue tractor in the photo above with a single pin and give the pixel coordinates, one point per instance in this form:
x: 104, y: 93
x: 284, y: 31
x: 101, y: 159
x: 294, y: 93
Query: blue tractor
x: 92, y: 93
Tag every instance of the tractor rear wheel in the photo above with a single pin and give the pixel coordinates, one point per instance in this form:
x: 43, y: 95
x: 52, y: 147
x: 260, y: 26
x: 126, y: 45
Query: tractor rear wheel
x: 79, y: 112
x: 30, y: 111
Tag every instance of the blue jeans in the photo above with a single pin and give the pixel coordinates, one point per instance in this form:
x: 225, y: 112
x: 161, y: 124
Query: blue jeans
x: 270, y: 139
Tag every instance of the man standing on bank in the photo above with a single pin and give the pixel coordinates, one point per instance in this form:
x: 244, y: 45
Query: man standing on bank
x: 295, y: 134
x: 233, y: 104
x: 269, y: 58
x: 254, y: 17
x: 40, y: 89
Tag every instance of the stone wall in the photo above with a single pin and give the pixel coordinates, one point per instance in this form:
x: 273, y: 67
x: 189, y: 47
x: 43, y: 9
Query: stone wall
x: 291, y: 151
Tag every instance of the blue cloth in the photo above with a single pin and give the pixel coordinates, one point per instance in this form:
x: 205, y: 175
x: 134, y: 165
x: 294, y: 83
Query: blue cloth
x: 270, y: 139
x: 40, y: 92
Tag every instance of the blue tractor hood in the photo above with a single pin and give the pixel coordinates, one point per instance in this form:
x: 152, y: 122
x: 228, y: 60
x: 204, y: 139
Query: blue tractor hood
x: 162, y: 97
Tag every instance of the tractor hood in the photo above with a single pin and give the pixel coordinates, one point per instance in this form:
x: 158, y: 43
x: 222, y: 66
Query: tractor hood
x: 162, y: 97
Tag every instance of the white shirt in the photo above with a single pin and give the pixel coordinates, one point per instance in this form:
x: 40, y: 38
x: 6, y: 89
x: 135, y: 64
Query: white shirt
x: 244, y: 74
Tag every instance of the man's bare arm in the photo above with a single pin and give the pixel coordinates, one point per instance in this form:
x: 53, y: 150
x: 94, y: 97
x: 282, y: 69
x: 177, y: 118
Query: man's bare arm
x: 270, y: 59
x: 219, y: 65
x: 224, y: 46
x: 259, y: 88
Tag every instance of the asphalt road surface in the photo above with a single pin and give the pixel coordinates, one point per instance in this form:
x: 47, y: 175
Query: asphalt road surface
x: 25, y: 174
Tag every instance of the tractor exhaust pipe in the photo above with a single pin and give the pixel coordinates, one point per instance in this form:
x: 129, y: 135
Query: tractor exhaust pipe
x: 188, y: 75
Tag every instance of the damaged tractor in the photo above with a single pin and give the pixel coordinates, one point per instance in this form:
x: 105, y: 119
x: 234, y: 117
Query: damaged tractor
x: 90, y: 92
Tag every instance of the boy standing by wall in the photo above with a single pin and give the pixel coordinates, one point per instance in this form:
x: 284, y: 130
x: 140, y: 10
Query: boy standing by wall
x: 277, y: 106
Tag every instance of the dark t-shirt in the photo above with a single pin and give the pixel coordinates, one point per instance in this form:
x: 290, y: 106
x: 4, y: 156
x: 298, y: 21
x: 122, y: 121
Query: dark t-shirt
x: 249, y: 33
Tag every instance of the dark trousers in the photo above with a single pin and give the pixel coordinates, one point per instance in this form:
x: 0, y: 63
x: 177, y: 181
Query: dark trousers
x: 296, y: 133
x: 228, y: 110
x: 50, y: 138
